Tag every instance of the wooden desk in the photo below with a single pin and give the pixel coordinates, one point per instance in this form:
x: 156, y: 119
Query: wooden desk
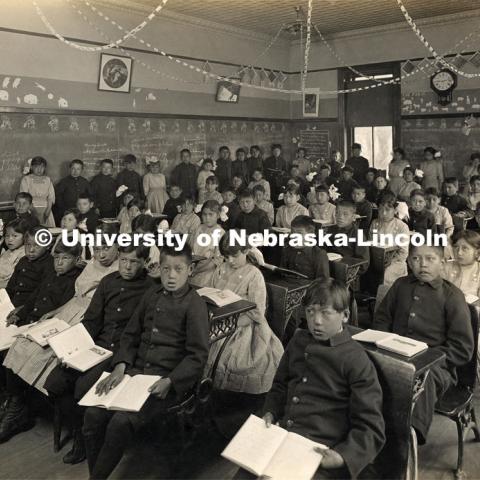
x: 346, y: 270
x: 284, y: 295
x: 223, y: 323
x: 380, y: 259
x: 402, y: 380
x: 460, y: 221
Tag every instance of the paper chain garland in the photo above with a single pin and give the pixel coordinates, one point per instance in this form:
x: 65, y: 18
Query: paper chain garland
x: 128, y: 34
x: 307, y: 44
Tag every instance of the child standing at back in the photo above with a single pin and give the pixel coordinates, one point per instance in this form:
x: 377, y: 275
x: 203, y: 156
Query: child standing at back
x: 187, y: 221
x: 322, y: 210
x: 174, y: 204
x: 155, y: 188
x: 13, y: 241
x: 335, y: 382
x: 425, y: 307
x: 23, y: 208
x: 203, y: 174
x: 129, y: 177
x: 291, y: 209
x: 204, y: 269
x: 104, y: 188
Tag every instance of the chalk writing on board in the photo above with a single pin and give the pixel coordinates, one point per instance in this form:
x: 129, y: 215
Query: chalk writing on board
x: 316, y: 142
x: 197, y: 144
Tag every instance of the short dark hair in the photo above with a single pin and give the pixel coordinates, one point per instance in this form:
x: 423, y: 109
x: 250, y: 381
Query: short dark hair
x: 399, y: 150
x: 259, y: 170
x: 185, y: 252
x: 276, y: 145
x: 241, y: 149
x: 347, y: 168
x: 130, y: 158
x: 304, y: 221
x: 414, y: 246
x: 389, y: 199
x: 322, y: 188
x: 229, y: 188
x: 245, y: 193
x: 185, y: 150
x: 38, y: 161
x: 25, y: 196
x: 141, y: 251
x: 471, y: 237
x: 372, y: 170
x: 347, y: 204
x: 303, y: 149
x: 76, y: 161
x: 432, y: 191
x: 409, y: 169
x: 474, y: 178
x: 224, y: 147
x: 189, y: 199
x: 31, y: 232
x: 255, y: 147
x: 417, y: 191
x: 429, y: 150
x: 228, y: 247
x: 144, y: 222
x: 327, y: 292
x: 73, y: 250
x: 451, y: 181
x: 212, y: 179
x: 359, y: 186
x: 107, y: 160
x: 109, y: 228
x: 356, y: 145
x: 207, y: 160
x: 258, y: 188
x: 18, y: 225
x: 86, y: 196
x: 326, y: 166
x: 211, y: 205
x: 72, y: 211
x: 294, y: 189
x: 475, y: 155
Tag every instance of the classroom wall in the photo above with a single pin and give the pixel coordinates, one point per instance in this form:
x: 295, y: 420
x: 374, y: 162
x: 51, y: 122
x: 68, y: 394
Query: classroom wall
x: 72, y: 75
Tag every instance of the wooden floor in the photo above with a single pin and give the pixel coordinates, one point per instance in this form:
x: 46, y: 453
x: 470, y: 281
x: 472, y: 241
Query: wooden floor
x: 30, y: 456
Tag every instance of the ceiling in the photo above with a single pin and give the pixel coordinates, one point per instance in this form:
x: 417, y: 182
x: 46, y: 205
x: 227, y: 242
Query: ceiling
x: 331, y: 16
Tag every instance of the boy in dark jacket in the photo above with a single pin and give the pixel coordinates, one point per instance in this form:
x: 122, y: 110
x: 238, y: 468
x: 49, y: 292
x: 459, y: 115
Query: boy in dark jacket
x: 419, y: 218
x: 129, y: 177
x: 104, y: 188
x: 326, y: 388
x: 167, y: 336
x: 251, y: 218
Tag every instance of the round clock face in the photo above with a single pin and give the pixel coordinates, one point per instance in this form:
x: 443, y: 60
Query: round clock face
x: 443, y: 81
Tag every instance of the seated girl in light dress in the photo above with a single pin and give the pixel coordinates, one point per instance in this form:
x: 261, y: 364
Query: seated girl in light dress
x: 187, y: 221
x: 252, y: 354
x: 204, y: 269
x: 14, y: 250
x: 286, y: 213
x: 143, y: 224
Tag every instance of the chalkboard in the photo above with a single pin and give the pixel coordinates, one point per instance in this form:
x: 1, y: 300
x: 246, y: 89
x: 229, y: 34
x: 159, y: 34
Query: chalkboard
x: 316, y: 142
x: 62, y: 137
x: 444, y: 134
x: 318, y: 137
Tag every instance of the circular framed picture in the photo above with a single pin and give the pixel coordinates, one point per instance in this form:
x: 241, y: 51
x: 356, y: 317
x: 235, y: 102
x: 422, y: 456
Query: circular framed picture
x: 115, y: 74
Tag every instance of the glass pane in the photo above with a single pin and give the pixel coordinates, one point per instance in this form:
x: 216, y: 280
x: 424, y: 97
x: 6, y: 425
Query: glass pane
x: 363, y: 136
x: 383, y: 146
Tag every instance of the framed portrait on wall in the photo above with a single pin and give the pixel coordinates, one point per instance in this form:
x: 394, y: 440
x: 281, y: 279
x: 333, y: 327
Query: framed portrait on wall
x: 115, y: 74
x: 311, y: 99
x: 228, y: 92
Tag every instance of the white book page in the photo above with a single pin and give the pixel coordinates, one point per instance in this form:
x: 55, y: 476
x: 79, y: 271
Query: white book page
x: 9, y: 334
x: 295, y: 459
x: 71, y: 341
x: 135, y: 393
x: 46, y: 329
x: 469, y: 298
x: 91, y: 399
x: 6, y: 307
x: 372, y: 336
x: 254, y: 445
x: 87, y: 359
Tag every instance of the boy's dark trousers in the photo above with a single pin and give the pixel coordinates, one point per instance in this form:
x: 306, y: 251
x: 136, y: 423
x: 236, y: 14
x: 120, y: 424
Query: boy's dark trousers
x: 108, y: 433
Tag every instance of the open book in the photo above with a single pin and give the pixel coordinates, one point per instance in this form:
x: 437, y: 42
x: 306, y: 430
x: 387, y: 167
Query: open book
x: 9, y: 334
x: 273, y: 452
x: 391, y: 341
x: 333, y: 257
x: 469, y: 298
x: 128, y: 396
x: 6, y: 307
x: 44, y: 330
x: 220, y: 298
x: 76, y: 348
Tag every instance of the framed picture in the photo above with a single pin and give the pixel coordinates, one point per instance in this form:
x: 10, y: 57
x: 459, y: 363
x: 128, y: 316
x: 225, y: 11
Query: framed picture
x: 228, y: 92
x: 115, y: 73
x: 310, y: 103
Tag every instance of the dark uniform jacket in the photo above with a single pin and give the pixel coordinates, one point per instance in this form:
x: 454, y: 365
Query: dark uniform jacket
x: 27, y: 276
x: 421, y: 221
x: 112, y: 306
x: 455, y: 203
x: 224, y: 173
x: 104, y: 188
x: 52, y: 292
x: 352, y: 250
x: 435, y: 313
x: 364, y: 209
x: 240, y: 169
x: 275, y: 172
x: 254, y: 164
x: 132, y: 180
x: 171, y: 208
x: 168, y: 336
x: 67, y: 191
x: 185, y: 176
x: 254, y: 222
x: 329, y: 392
x: 360, y: 167
x: 345, y: 188
x: 311, y: 261
x: 91, y: 219
x: 30, y: 218
x: 232, y: 214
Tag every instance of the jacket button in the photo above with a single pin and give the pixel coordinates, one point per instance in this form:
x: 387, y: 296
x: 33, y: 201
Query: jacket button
x: 20, y: 284
x: 305, y: 355
x: 304, y: 379
x: 122, y: 289
x: 154, y: 330
x: 416, y: 297
x: 147, y: 365
x: 35, y: 309
x: 112, y: 345
x: 412, y: 314
x: 44, y: 299
x: 119, y: 309
x: 157, y: 309
x: 295, y: 400
x: 289, y: 423
x: 23, y: 270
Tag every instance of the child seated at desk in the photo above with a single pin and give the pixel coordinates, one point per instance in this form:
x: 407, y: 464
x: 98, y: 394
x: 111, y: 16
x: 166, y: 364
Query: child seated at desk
x: 251, y: 356
x: 322, y: 209
x: 286, y: 213
x: 451, y: 199
x: 380, y: 188
x: 408, y: 185
x: 309, y: 261
x: 172, y: 315
x: 147, y: 224
x: 388, y: 223
x: 425, y: 307
x: 419, y: 218
x: 204, y: 269
x: 441, y: 214
x: 23, y: 208
x: 55, y: 290
x: 174, y: 203
x: 257, y: 179
x: 327, y: 389
x: 205, y: 172
x: 251, y: 218
x: 311, y: 195
x: 363, y: 207
x: 345, y: 215
x: 473, y: 196
x: 346, y: 183
x: 262, y: 202
x: 113, y: 304
x: 211, y: 192
x: 230, y: 201
x: 13, y: 239
x: 187, y: 221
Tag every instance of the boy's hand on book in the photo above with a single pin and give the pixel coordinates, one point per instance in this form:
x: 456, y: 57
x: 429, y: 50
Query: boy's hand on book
x: 161, y: 388
x: 47, y: 316
x: 13, y: 313
x: 268, y: 418
x: 110, y: 382
x: 12, y: 320
x: 331, y: 459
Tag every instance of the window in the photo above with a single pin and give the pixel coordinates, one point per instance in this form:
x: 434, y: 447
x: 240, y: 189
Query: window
x: 377, y: 144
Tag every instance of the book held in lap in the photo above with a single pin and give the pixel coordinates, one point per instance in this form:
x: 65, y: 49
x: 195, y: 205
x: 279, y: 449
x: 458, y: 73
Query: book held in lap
x: 76, y: 348
x: 128, y: 396
x: 273, y: 451
x: 44, y: 330
x: 220, y: 298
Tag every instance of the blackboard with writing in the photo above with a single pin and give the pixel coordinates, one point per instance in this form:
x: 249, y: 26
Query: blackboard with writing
x: 316, y: 142
x: 62, y: 137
